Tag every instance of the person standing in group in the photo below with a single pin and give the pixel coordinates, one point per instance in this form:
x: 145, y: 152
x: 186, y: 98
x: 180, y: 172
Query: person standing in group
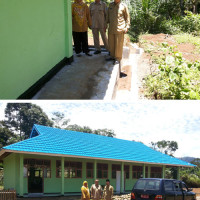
x: 96, y: 191
x: 81, y: 20
x: 85, y: 191
x: 118, y: 19
x: 98, y: 12
x: 108, y: 191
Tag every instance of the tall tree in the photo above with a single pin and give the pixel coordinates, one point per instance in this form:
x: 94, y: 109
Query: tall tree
x: 79, y: 128
x: 59, y: 120
x: 6, y: 136
x: 105, y: 132
x: 167, y: 147
x: 20, y: 118
x: 87, y: 129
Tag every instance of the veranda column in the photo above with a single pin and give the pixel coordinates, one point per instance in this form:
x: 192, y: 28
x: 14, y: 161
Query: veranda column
x: 95, y: 170
x: 68, y: 28
x: 149, y: 172
x: 144, y: 171
x: 163, y: 171
x: 122, y: 178
x: 21, y: 175
x: 62, y: 176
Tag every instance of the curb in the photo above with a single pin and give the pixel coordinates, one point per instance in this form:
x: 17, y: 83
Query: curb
x: 113, y: 83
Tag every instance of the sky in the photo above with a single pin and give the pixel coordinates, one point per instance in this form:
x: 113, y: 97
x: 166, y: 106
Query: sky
x: 145, y: 121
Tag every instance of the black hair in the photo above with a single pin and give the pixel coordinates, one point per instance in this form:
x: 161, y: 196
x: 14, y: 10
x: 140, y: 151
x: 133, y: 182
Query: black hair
x: 107, y: 180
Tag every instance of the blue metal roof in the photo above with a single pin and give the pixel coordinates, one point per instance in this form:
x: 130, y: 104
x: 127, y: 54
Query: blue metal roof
x: 64, y: 142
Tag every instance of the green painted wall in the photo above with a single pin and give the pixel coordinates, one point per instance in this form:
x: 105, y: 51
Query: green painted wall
x: 53, y: 184
x: 35, y: 36
x: 10, y: 178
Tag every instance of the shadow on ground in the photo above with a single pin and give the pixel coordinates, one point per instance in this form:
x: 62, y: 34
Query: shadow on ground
x: 86, y: 78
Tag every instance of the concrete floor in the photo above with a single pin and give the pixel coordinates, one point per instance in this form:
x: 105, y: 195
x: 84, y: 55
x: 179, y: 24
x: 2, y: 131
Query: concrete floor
x: 86, y: 78
x: 93, y: 78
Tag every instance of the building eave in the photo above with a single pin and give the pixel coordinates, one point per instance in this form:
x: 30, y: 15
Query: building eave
x: 4, y: 152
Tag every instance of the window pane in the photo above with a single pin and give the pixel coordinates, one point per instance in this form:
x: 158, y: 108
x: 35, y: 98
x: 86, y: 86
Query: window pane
x: 127, y: 174
x: 105, y: 174
x: 168, y: 186
x: 58, y: 163
x: 99, y: 174
x: 79, y: 173
x: 89, y: 165
x: 89, y: 174
x: 113, y: 174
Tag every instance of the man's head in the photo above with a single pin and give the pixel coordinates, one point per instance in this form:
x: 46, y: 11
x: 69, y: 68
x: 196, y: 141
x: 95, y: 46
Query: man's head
x: 117, y: 1
x: 97, y: 1
x: 96, y: 182
x: 107, y: 182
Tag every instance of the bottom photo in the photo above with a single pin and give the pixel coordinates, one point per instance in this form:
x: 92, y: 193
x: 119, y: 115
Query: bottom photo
x: 100, y: 150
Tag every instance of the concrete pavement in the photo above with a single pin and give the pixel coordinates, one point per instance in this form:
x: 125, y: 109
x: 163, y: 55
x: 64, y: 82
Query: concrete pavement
x: 92, y: 78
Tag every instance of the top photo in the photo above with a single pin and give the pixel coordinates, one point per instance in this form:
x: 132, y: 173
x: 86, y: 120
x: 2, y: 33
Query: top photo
x: 100, y: 50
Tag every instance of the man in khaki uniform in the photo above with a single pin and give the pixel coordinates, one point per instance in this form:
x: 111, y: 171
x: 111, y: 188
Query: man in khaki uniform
x: 108, y: 191
x: 98, y: 12
x: 118, y: 19
x: 96, y: 191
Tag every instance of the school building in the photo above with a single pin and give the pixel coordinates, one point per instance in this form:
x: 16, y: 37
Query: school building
x: 56, y: 162
x: 35, y: 43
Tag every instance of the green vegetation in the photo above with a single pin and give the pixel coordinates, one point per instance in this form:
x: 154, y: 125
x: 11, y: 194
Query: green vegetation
x: 175, y: 78
x: 166, y: 147
x: 192, y: 176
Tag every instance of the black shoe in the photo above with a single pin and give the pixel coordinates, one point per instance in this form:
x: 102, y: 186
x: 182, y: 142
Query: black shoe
x: 97, y: 52
x: 122, y: 75
x: 116, y: 62
x: 110, y: 59
x: 87, y: 54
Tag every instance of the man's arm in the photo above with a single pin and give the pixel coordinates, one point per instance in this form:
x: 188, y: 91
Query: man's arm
x: 89, y: 21
x: 91, y: 190
x: 111, y: 191
x: 127, y: 18
x: 105, y: 16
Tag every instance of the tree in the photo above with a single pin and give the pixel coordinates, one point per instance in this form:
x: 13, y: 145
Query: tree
x: 191, y: 176
x: 105, y: 132
x: 6, y: 136
x: 87, y: 129
x: 166, y: 147
x: 59, y: 120
x: 79, y: 128
x: 20, y: 118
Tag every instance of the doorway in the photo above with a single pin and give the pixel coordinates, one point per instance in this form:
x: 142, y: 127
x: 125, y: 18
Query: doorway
x: 118, y: 181
x: 35, y: 180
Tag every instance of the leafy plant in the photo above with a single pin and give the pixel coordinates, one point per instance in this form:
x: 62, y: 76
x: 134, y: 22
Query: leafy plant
x: 175, y: 78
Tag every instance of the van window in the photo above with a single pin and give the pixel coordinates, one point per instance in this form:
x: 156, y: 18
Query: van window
x: 147, y: 184
x: 177, y: 186
x: 168, y: 185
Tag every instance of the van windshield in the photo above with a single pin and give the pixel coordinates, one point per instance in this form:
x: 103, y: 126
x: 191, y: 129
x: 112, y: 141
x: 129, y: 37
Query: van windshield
x: 147, y: 184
